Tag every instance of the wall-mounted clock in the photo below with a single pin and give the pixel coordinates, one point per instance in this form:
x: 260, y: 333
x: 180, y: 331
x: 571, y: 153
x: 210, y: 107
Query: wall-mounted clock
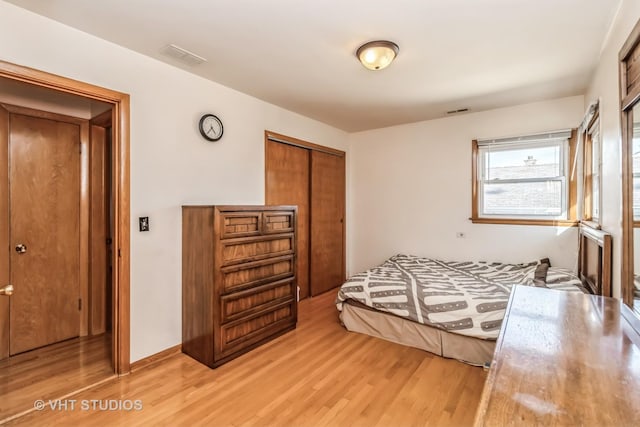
x: 210, y: 127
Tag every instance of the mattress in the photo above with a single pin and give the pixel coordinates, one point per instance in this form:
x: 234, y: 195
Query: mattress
x: 463, y: 298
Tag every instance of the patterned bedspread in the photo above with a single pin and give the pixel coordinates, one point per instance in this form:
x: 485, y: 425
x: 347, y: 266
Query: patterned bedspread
x: 468, y: 298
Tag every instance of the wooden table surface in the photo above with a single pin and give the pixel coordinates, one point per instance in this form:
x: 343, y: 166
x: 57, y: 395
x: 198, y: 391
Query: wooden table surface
x: 563, y: 359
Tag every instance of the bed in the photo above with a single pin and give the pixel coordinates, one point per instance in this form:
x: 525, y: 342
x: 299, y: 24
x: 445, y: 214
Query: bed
x: 455, y: 309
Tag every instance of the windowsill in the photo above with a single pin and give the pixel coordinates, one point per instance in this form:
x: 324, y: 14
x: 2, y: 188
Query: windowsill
x: 513, y: 221
x: 591, y: 224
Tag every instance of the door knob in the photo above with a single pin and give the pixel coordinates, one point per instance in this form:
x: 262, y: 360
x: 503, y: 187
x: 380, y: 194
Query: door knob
x: 20, y: 248
x: 7, y: 290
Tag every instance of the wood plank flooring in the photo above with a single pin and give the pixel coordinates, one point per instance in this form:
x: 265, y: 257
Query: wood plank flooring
x: 317, y: 375
x: 53, y: 371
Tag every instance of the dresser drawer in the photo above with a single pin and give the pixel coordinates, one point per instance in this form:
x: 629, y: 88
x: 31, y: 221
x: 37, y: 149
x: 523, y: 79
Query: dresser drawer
x: 240, y: 224
x: 277, y: 222
x: 248, y: 249
x: 247, y: 302
x: 244, y: 332
x: 250, y: 274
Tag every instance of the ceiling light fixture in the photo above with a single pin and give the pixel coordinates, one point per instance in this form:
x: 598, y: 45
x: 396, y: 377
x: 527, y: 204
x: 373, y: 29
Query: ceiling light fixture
x: 378, y: 54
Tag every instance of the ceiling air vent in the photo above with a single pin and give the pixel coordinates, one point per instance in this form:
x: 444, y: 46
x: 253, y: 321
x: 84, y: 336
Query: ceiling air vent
x: 462, y: 110
x: 183, y: 55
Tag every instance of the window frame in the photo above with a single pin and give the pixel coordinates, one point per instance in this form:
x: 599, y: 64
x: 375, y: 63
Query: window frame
x: 570, y: 183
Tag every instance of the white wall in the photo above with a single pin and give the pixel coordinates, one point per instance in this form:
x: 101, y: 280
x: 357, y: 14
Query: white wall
x: 170, y: 163
x: 411, y: 190
x: 604, y: 86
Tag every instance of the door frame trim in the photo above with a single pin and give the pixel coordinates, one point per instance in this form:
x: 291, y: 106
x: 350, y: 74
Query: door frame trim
x: 121, y: 190
x: 284, y: 139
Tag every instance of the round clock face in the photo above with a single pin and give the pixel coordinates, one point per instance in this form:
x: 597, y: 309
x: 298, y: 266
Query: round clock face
x: 211, y: 127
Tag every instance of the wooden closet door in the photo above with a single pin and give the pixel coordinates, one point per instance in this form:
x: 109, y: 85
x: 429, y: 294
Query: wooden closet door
x: 327, y: 221
x: 287, y: 183
x: 5, y: 254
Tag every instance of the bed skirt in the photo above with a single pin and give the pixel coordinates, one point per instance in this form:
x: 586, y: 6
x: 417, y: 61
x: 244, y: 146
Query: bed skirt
x: 359, y: 318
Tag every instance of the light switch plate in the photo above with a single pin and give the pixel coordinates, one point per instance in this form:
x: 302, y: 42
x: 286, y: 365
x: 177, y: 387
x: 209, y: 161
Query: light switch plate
x: 144, y: 223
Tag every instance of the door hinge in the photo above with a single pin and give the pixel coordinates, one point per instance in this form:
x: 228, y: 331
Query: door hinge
x: 79, y: 304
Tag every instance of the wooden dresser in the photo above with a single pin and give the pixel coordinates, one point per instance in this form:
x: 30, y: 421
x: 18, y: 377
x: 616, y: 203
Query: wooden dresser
x: 565, y: 359
x: 238, y: 279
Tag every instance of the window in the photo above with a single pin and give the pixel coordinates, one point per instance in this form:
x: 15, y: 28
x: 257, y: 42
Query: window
x: 524, y: 180
x: 592, y: 171
x: 635, y: 155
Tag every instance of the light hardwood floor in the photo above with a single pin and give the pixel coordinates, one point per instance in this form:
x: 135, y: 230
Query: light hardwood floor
x: 317, y: 375
x: 52, y: 371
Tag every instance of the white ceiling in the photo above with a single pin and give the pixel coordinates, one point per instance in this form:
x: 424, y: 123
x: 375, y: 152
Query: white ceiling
x: 299, y: 54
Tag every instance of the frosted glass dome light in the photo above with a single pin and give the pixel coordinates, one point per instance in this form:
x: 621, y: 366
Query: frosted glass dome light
x: 378, y: 54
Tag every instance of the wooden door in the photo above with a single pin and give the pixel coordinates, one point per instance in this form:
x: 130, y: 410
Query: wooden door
x: 327, y: 221
x: 4, y: 232
x: 44, y: 180
x: 99, y: 231
x: 287, y: 183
